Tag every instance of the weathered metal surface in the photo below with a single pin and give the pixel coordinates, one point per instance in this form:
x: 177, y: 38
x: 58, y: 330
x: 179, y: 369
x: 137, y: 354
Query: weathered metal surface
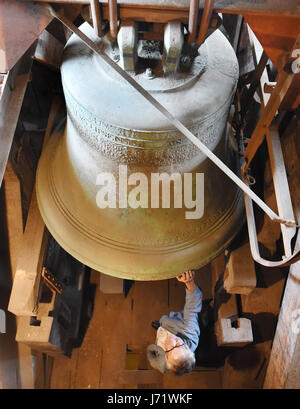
x: 11, y: 100
x: 127, y: 42
x: 173, y: 42
x: 120, y: 128
x: 21, y: 23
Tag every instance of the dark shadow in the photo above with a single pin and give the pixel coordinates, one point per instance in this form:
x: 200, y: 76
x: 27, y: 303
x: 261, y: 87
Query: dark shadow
x: 263, y: 326
x: 266, y: 277
x: 208, y: 354
x: 73, y: 309
x: 244, y: 358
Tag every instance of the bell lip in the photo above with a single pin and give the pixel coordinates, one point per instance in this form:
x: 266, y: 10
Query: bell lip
x: 228, y: 229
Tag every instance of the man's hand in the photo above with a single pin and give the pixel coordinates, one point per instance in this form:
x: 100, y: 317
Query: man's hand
x: 188, y: 279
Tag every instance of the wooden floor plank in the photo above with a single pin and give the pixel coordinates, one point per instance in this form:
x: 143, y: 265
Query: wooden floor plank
x: 193, y: 380
x: 150, y: 302
x: 89, y: 354
x: 115, y: 326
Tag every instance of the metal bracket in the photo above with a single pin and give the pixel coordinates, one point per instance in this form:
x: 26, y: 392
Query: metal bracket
x: 51, y: 282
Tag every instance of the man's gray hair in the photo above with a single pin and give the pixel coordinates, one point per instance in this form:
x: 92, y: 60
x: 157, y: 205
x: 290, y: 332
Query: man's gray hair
x: 185, y: 365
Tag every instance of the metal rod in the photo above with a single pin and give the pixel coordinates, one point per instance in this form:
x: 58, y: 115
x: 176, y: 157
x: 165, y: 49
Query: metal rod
x: 193, y: 19
x: 96, y: 17
x: 113, y: 17
x: 177, y: 124
x: 205, y: 20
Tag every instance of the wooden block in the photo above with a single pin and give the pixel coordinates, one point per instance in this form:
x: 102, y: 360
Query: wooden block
x: 231, y: 336
x: 36, y: 336
x: 240, y: 276
x: 139, y: 377
x: 228, y: 306
x: 110, y: 285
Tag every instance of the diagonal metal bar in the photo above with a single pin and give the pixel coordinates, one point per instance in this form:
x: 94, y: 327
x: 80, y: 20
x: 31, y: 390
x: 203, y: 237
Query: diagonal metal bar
x: 177, y: 124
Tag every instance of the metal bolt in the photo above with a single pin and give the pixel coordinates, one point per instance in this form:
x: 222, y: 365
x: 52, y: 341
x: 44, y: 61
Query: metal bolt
x: 149, y: 73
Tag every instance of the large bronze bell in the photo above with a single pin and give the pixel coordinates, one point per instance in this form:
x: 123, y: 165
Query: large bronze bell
x: 109, y: 124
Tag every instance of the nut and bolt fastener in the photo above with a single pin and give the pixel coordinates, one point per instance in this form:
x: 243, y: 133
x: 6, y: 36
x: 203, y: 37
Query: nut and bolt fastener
x: 149, y: 73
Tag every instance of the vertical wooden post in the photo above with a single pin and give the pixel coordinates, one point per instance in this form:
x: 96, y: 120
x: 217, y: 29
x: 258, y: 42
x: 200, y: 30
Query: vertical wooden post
x: 113, y: 17
x: 193, y: 18
x: 14, y: 222
x: 206, y: 16
x: 96, y: 17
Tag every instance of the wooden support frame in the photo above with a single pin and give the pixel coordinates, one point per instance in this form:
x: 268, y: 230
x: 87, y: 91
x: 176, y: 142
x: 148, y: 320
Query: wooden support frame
x: 14, y: 220
x: 283, y: 371
x: 25, y: 290
x: 285, y: 78
x: 268, y: 8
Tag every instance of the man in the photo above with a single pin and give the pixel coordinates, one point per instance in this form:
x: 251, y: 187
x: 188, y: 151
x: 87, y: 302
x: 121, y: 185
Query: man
x: 178, y: 334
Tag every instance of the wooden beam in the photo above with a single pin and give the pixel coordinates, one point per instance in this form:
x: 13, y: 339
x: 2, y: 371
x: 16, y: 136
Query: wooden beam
x: 193, y: 19
x: 205, y: 20
x: 21, y: 23
x: 25, y: 288
x: 96, y: 17
x: 24, y: 294
x: 240, y: 276
x: 284, y: 367
x: 139, y: 377
x: 113, y: 18
x: 274, y: 7
x: 283, y: 84
x: 14, y: 221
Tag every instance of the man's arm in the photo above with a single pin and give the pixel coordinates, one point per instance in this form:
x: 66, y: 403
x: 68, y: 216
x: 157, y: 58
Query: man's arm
x: 193, y: 300
x: 188, y: 279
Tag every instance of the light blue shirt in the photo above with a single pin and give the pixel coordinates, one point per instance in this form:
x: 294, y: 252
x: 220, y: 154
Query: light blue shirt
x: 184, y: 323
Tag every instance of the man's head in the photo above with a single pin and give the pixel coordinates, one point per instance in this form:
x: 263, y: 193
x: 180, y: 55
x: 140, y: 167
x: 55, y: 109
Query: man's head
x: 180, y: 359
x: 178, y: 356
